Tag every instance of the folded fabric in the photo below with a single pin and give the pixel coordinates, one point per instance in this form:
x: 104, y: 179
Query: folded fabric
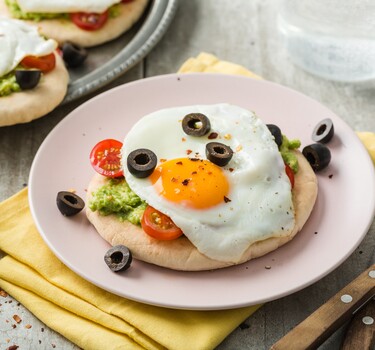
x: 87, y: 315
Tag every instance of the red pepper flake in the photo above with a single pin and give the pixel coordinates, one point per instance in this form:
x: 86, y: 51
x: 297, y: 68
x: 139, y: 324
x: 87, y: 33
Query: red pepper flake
x: 13, y: 347
x: 17, y: 318
x: 226, y: 199
x: 209, y: 173
x: 179, y: 163
x: 188, y: 151
x: 173, y: 179
x: 195, y: 159
x: 185, y: 182
x: 231, y: 170
x: 330, y: 176
x: 3, y: 293
x: 183, y: 139
x: 193, y: 173
x: 213, y: 135
x: 14, y: 326
x: 28, y: 326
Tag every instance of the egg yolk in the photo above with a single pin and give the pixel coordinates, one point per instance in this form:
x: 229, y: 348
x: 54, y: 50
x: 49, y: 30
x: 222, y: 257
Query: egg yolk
x: 195, y: 183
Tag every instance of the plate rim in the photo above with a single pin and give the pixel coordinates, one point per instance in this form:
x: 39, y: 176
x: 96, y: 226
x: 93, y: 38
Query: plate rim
x: 146, y: 38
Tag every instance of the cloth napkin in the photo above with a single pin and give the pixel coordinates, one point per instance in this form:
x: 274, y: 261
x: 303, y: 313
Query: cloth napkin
x: 89, y: 316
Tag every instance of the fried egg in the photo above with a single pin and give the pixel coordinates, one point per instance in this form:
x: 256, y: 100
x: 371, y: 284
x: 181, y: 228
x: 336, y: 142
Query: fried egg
x: 221, y: 210
x: 18, y: 40
x: 63, y: 6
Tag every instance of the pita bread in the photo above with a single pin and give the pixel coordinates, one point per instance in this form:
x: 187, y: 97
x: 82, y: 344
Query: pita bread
x: 24, y: 106
x: 180, y: 254
x: 63, y: 30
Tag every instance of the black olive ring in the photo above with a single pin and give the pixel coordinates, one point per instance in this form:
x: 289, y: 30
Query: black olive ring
x: 28, y: 78
x: 196, y: 124
x: 73, y: 55
x: 317, y: 155
x: 69, y: 203
x: 276, y: 133
x: 118, y: 258
x: 141, y: 162
x: 218, y: 153
x: 323, y: 131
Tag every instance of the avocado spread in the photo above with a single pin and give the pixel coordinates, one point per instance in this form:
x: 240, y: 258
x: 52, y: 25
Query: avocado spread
x: 16, y: 12
x: 8, y: 84
x: 286, y: 150
x: 116, y: 197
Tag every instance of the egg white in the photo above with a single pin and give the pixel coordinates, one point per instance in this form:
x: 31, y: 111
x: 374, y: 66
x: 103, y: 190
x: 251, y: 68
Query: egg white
x: 18, y: 40
x: 260, y: 193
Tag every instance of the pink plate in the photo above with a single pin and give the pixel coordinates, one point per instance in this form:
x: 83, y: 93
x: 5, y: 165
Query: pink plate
x: 344, y: 210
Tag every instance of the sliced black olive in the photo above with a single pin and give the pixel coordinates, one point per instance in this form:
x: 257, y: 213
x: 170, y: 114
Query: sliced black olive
x: 69, y: 203
x: 276, y: 133
x: 141, y: 162
x: 196, y: 124
x: 317, y: 155
x: 118, y: 258
x: 218, y: 153
x: 73, y: 55
x: 323, y: 131
x: 28, y: 78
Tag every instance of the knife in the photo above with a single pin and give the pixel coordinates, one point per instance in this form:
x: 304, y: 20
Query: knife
x: 316, y: 328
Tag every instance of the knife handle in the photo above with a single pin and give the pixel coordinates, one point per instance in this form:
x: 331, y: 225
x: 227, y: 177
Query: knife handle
x: 360, y: 333
x: 316, y: 328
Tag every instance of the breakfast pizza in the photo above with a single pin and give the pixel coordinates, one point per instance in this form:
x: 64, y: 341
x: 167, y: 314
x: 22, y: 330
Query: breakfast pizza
x: 86, y: 23
x: 200, y: 187
x: 33, y: 77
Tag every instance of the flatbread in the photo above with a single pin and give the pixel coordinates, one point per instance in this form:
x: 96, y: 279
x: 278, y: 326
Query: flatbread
x: 180, y: 254
x: 24, y: 106
x: 63, y: 30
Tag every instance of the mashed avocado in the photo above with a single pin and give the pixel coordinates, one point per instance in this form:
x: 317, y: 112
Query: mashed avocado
x: 286, y: 150
x: 116, y: 197
x: 16, y: 12
x: 8, y: 84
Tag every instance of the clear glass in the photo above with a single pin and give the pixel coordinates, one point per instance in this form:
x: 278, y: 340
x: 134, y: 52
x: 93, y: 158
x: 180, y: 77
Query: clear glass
x: 334, y: 39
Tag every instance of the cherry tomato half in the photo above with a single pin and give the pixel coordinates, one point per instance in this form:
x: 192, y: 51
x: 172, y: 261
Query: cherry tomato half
x: 89, y: 20
x: 105, y: 158
x: 290, y: 174
x: 158, y: 225
x: 44, y: 63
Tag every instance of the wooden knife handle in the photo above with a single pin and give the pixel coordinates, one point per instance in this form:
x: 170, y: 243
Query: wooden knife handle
x: 316, y: 328
x: 360, y: 333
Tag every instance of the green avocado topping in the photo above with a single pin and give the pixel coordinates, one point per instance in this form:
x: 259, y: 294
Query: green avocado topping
x: 286, y: 150
x: 116, y: 197
x: 16, y: 12
x: 8, y: 84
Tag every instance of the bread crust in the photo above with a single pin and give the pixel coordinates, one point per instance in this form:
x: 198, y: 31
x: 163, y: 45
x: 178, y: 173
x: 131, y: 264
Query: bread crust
x: 180, y: 254
x: 24, y: 106
x: 63, y: 30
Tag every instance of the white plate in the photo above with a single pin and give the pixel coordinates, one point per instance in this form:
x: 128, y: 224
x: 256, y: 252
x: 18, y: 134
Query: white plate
x: 344, y: 210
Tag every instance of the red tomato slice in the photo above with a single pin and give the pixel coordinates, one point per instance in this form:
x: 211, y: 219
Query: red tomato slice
x: 105, y: 158
x: 290, y: 174
x: 44, y: 63
x: 89, y: 20
x: 158, y: 225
